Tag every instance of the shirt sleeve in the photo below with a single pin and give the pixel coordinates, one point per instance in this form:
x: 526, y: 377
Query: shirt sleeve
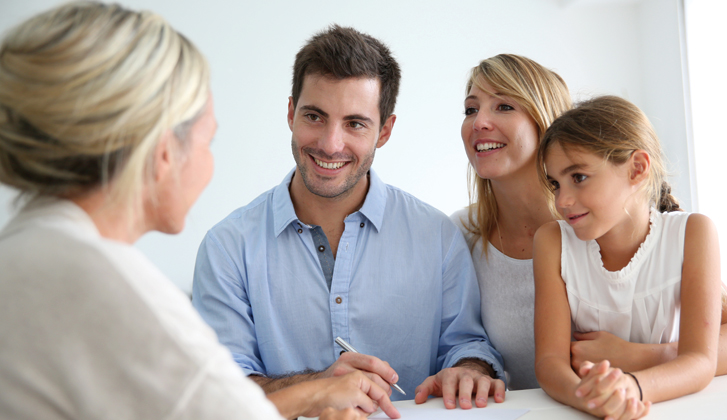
x: 219, y: 294
x: 463, y: 335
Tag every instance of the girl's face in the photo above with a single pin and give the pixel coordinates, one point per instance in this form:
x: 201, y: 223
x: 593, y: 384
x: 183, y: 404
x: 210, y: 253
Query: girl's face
x: 500, y: 137
x: 590, y: 193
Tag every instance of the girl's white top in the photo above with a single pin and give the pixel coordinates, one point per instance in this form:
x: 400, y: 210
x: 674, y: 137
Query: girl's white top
x: 640, y: 302
x: 90, y: 329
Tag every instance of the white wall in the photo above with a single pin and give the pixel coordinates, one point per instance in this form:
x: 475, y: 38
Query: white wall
x: 627, y: 48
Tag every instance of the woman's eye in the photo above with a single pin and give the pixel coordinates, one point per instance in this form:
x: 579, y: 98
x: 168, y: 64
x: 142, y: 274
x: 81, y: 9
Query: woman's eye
x: 554, y: 185
x: 504, y: 107
x: 470, y: 110
x: 578, y: 178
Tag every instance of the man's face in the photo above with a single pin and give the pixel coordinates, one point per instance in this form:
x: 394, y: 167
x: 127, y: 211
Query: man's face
x: 336, y: 131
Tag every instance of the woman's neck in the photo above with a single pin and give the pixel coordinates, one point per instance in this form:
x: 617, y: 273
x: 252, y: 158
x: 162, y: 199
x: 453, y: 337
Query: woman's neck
x: 112, y: 221
x: 522, y: 208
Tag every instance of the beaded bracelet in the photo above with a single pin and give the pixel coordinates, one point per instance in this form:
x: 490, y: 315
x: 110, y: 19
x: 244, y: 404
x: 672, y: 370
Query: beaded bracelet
x: 641, y: 394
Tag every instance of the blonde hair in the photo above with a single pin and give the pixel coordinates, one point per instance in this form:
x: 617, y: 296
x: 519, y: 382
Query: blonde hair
x: 541, y: 92
x: 611, y: 128
x: 86, y: 92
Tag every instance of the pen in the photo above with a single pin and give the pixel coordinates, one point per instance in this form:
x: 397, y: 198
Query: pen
x: 347, y: 347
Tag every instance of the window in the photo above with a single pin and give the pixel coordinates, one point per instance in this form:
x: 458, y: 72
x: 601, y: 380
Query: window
x: 706, y: 39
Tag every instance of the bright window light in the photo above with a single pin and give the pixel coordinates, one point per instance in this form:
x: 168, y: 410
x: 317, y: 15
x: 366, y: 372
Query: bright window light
x: 706, y: 38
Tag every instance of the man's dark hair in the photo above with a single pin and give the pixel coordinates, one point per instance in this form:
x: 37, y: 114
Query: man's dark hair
x: 341, y: 53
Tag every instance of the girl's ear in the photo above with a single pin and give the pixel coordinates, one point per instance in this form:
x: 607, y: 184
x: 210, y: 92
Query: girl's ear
x: 640, y: 163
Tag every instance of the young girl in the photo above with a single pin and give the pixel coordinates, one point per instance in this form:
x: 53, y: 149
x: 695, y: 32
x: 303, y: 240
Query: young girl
x: 623, y: 260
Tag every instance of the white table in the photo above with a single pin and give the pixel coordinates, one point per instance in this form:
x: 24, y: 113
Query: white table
x: 710, y: 403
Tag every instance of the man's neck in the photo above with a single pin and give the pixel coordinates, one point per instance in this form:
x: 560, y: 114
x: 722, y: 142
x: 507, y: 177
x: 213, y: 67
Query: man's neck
x: 328, y: 213
x: 313, y: 209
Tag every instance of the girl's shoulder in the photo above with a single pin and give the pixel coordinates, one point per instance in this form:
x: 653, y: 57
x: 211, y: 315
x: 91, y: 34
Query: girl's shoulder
x: 548, y: 234
x: 699, y: 226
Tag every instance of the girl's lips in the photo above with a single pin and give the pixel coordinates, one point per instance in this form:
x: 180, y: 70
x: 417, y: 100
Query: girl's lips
x: 574, y: 218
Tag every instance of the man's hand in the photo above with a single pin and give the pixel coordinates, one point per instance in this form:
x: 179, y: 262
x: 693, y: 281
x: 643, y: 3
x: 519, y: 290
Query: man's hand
x: 463, y: 380
x: 374, y: 368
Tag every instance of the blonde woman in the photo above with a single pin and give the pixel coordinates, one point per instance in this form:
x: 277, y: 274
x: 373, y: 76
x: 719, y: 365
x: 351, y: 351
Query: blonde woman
x: 106, y: 120
x: 511, y: 100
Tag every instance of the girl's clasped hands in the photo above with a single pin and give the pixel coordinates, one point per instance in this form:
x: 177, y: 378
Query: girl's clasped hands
x: 608, y: 392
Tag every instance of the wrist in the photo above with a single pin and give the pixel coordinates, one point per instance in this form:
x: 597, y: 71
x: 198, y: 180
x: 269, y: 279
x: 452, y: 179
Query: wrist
x: 477, y: 365
x: 635, y: 390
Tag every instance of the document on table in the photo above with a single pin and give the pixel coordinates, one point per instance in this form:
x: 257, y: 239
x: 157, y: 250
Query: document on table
x: 440, y: 413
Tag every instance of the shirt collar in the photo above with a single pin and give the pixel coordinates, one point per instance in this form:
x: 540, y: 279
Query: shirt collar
x: 372, y: 209
x: 283, y: 211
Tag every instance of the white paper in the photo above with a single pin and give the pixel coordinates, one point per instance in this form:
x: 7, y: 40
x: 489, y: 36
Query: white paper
x: 431, y: 413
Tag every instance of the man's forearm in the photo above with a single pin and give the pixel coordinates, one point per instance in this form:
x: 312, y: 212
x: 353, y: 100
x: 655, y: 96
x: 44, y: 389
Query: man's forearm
x: 275, y: 383
x: 476, y: 364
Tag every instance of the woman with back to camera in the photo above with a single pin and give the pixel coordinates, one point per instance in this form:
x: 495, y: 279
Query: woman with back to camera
x: 106, y: 120
x: 511, y: 101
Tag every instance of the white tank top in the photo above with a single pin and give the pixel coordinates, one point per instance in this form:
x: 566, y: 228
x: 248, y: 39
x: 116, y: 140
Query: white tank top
x: 640, y: 302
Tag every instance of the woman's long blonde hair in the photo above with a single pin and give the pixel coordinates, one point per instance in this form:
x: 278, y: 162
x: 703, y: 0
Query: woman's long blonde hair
x: 541, y: 92
x: 86, y: 92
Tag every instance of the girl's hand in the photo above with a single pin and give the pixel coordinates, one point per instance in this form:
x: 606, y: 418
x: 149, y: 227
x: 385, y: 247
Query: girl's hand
x: 608, y: 392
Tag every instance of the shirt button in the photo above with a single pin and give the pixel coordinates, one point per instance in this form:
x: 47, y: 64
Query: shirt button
x: 321, y: 248
x: 300, y: 230
x: 339, y: 300
x: 362, y: 224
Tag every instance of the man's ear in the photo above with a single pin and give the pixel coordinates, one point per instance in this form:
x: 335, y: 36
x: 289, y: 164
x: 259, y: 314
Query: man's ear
x: 640, y: 165
x: 385, y: 131
x: 163, y: 156
x: 291, y: 112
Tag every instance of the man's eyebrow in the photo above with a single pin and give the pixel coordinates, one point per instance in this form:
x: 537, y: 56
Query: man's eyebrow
x: 314, y: 108
x: 358, y: 118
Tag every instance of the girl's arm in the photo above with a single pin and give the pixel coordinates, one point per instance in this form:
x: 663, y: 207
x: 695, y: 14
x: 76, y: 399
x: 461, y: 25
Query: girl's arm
x: 552, y: 341
x: 699, y: 327
x: 602, y: 345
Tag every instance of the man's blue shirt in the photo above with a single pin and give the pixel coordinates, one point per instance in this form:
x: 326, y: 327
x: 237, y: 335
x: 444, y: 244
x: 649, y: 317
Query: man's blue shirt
x: 403, y: 288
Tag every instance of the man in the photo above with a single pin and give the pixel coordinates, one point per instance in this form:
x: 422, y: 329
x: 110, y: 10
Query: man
x: 334, y: 252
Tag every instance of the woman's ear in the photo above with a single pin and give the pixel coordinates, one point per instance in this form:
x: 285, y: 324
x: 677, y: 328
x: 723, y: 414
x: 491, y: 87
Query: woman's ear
x: 163, y: 156
x: 640, y: 165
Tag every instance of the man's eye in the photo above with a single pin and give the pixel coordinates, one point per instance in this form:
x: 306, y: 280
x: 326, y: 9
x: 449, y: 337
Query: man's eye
x: 356, y: 124
x: 578, y: 178
x: 313, y: 117
x: 470, y: 110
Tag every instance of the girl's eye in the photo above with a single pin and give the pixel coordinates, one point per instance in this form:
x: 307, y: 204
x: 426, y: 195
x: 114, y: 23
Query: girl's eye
x: 554, y: 185
x: 578, y: 178
x: 504, y: 107
x: 470, y: 110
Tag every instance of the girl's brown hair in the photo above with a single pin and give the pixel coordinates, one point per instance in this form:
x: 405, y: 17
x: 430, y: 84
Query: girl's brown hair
x: 611, y: 128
